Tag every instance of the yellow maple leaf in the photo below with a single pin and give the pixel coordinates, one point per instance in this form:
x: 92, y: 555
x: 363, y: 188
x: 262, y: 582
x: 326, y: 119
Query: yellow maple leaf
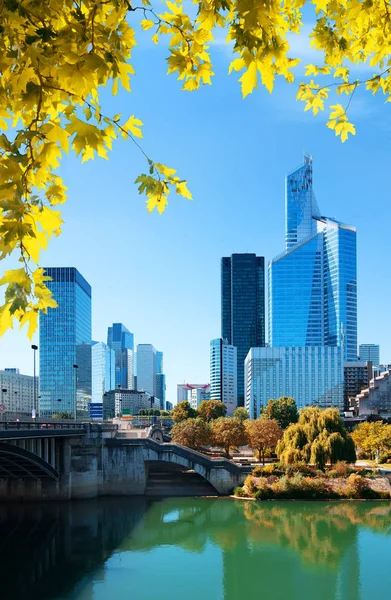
x: 249, y: 79
x: 146, y: 24
x: 133, y: 125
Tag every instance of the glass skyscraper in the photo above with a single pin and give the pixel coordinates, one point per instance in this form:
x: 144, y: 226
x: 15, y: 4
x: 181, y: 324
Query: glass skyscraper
x: 223, y: 373
x: 160, y: 380
x: 313, y: 284
x: 103, y: 370
x: 65, y: 341
x: 243, y: 307
x: 121, y: 341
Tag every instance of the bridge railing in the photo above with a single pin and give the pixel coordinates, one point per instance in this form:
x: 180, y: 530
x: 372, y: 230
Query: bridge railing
x: 5, y: 425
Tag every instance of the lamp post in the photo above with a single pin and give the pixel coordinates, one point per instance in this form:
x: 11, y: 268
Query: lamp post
x: 75, y: 367
x: 34, y: 411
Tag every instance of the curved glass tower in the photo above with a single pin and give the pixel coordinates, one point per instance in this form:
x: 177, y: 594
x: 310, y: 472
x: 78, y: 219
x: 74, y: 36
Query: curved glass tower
x: 313, y: 284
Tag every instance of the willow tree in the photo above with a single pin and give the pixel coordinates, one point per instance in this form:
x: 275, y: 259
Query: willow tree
x: 57, y: 55
x: 319, y: 437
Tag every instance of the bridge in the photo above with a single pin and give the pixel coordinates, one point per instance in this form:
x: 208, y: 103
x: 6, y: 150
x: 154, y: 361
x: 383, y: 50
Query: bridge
x: 41, y: 461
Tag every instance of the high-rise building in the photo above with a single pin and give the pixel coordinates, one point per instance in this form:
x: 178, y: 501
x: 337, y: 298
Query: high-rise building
x: 243, y: 307
x: 121, y: 341
x: 160, y: 379
x: 223, y: 373
x: 370, y: 352
x: 184, y: 388
x: 313, y: 284
x: 357, y: 376
x: 16, y: 393
x: 146, y: 368
x: 103, y: 370
x: 65, y: 345
x: 311, y: 375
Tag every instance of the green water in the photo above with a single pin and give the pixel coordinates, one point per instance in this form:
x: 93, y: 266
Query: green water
x: 195, y: 549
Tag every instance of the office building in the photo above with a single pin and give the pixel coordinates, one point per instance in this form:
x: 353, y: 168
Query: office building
x: 146, y: 368
x: 160, y: 379
x: 169, y: 405
x: 243, y: 307
x: 65, y: 345
x: 376, y: 398
x: 16, y: 393
x: 121, y: 341
x: 118, y: 402
x: 310, y: 375
x: 223, y: 373
x: 184, y: 388
x: 370, y: 352
x: 313, y: 284
x: 357, y: 376
x: 95, y: 411
x: 103, y: 370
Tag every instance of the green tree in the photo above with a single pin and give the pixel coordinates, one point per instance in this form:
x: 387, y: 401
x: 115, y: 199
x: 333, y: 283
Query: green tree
x: 183, y: 411
x: 211, y: 409
x: 263, y: 435
x: 65, y: 415
x: 241, y: 413
x: 283, y: 410
x: 318, y: 437
x: 193, y: 433
x: 142, y: 412
x: 56, y: 57
x: 228, y: 432
x: 373, y: 438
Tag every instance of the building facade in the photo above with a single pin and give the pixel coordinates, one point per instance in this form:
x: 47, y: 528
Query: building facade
x: 184, y: 388
x: 65, y: 345
x: 376, y: 398
x: 243, y: 307
x: 160, y: 379
x: 357, y: 376
x: 16, y: 393
x: 121, y: 341
x: 118, y: 402
x: 146, y: 368
x: 309, y: 375
x: 223, y: 373
x: 313, y: 284
x: 370, y: 352
x: 103, y: 370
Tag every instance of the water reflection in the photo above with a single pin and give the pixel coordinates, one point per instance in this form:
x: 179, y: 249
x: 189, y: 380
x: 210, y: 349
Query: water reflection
x: 275, y: 550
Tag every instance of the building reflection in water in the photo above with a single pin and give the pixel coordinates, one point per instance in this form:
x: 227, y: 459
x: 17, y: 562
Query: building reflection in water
x: 272, y: 550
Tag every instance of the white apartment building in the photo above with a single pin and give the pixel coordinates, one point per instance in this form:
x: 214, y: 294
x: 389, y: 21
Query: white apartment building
x: 17, y: 392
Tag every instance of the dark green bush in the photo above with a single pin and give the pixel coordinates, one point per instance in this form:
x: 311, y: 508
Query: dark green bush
x: 239, y: 491
x: 264, y: 491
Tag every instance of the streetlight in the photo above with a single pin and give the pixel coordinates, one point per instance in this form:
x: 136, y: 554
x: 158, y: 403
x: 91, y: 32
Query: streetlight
x: 75, y: 367
x: 34, y: 411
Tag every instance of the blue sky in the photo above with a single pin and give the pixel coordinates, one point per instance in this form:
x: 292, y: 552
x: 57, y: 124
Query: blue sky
x: 160, y: 275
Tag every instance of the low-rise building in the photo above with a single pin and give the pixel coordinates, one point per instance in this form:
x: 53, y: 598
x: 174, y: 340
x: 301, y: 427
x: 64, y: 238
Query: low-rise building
x: 17, y: 393
x: 376, y: 398
x: 120, y: 402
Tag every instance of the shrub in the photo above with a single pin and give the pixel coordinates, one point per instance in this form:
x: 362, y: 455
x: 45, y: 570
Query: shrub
x: 263, y: 491
x: 300, y: 467
x: 250, y: 485
x: 300, y: 487
x: 273, y: 469
x: 384, y: 458
x: 358, y: 487
x: 342, y: 469
x: 239, y: 491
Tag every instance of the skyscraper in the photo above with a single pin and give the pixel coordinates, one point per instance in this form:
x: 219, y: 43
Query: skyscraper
x: 370, y: 352
x: 243, y: 307
x: 65, y: 344
x: 223, y: 373
x: 146, y: 368
x: 160, y: 380
x: 121, y: 341
x: 313, y: 284
x: 103, y: 370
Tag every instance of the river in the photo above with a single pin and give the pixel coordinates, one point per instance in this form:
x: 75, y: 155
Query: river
x: 195, y: 549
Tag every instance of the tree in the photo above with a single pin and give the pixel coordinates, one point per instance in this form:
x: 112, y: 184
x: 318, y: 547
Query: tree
x: 284, y: 410
x: 193, y: 433
x: 373, y: 438
x: 211, y: 409
x: 183, y: 411
x: 241, y: 413
x: 65, y: 415
x: 142, y: 412
x: 228, y: 432
x: 317, y: 438
x: 262, y: 435
x: 56, y: 57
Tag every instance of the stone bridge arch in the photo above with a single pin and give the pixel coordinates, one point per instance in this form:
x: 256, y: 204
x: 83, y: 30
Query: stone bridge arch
x: 19, y: 463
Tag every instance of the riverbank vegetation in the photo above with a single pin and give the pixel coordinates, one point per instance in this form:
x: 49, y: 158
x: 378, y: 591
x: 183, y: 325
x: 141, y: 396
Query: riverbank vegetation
x: 305, y: 482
